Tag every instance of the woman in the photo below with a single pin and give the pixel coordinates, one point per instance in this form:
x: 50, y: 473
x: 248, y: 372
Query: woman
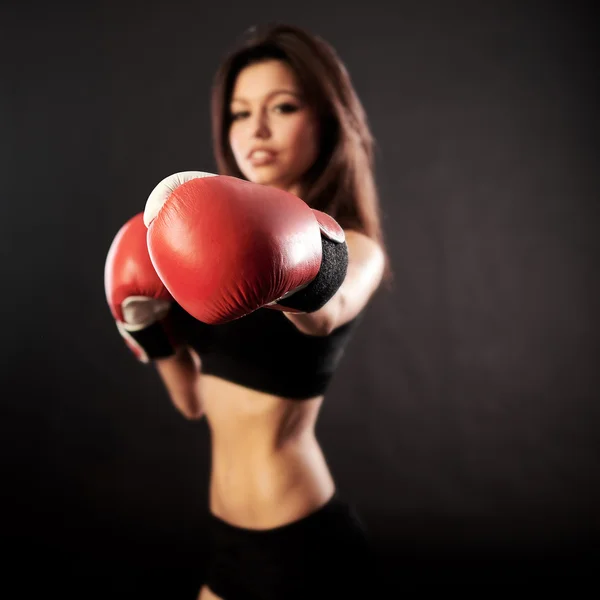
x: 285, y: 115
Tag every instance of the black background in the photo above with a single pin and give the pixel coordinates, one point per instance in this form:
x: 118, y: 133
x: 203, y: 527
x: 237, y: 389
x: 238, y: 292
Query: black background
x: 464, y: 421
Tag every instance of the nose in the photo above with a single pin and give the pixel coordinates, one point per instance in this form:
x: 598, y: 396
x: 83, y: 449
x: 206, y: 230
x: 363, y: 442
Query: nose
x: 261, y: 126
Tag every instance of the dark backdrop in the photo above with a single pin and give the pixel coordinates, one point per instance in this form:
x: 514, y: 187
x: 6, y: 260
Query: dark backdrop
x: 464, y: 420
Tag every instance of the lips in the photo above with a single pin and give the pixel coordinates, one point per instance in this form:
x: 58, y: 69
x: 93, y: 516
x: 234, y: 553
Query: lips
x: 261, y: 156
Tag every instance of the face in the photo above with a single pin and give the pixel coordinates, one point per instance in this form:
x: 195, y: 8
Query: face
x: 273, y: 133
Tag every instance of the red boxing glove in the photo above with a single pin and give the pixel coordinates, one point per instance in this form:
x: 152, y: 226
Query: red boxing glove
x: 138, y: 300
x: 225, y: 247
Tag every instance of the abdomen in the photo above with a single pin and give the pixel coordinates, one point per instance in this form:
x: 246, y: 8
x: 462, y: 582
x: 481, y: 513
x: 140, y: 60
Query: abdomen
x: 267, y: 466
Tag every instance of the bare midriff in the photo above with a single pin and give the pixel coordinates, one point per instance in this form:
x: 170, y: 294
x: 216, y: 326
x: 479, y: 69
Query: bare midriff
x: 267, y: 467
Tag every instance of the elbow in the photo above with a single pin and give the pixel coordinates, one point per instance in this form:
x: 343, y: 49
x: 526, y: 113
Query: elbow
x: 327, y: 319
x: 192, y: 414
x: 189, y: 405
x: 324, y: 327
x: 332, y: 314
x: 320, y: 323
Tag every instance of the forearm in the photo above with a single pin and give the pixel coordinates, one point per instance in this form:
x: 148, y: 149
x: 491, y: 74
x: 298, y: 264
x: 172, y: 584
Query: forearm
x: 321, y: 322
x: 180, y: 376
x: 365, y: 268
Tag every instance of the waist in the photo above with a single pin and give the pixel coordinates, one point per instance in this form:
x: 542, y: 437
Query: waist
x: 254, y: 486
x: 242, y: 415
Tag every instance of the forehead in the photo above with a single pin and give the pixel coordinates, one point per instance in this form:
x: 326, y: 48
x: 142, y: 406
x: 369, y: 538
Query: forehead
x: 258, y: 80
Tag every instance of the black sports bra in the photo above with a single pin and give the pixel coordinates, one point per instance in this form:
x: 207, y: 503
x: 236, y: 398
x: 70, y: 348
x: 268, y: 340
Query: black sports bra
x: 265, y: 351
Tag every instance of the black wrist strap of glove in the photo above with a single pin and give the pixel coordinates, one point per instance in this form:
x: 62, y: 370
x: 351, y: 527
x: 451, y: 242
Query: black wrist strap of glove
x: 334, y: 267
x: 154, y: 341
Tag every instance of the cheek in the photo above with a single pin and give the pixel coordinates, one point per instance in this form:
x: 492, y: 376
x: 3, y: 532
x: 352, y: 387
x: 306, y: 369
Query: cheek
x: 235, y: 140
x: 241, y: 138
x: 303, y: 139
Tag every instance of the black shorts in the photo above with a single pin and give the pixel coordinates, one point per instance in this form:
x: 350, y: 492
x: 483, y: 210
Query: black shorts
x: 323, y: 555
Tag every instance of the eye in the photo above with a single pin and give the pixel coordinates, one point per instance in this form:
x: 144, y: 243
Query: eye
x: 286, y: 108
x: 241, y: 114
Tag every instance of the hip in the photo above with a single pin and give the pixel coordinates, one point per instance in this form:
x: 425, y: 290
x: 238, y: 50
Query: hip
x: 324, y: 554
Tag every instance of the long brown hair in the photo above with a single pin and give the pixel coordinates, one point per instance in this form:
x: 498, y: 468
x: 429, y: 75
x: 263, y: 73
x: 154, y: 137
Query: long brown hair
x: 341, y: 182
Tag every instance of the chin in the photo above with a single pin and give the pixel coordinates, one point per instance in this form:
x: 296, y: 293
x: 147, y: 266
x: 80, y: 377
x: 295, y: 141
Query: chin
x: 269, y: 178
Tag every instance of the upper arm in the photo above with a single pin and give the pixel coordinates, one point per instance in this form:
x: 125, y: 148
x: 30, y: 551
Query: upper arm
x: 180, y: 375
x: 365, y: 271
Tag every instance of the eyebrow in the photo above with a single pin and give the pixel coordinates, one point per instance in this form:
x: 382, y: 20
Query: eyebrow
x: 271, y: 94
